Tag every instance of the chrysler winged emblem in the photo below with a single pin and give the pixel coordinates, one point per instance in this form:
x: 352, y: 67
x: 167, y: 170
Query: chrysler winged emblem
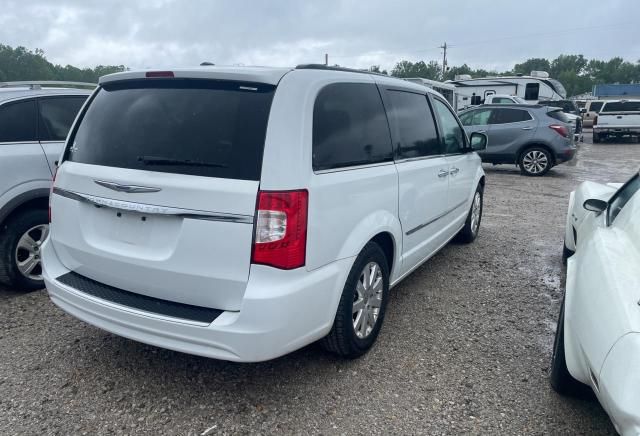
x: 130, y: 189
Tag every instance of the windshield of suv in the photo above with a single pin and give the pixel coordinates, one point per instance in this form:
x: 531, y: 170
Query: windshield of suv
x: 195, y: 127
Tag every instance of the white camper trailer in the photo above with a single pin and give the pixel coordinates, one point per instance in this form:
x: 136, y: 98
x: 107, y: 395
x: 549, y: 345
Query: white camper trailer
x: 447, y: 90
x: 534, y: 88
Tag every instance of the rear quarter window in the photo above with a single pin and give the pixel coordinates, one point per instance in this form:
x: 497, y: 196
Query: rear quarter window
x: 186, y: 126
x: 558, y: 115
x: 349, y: 127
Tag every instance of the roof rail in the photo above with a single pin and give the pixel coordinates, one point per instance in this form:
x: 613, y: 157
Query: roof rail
x: 38, y: 84
x: 330, y: 68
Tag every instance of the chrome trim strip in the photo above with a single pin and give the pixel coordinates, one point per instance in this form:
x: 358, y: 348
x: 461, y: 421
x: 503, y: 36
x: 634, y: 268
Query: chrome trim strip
x: 130, y: 189
x: 153, y: 209
x: 442, y: 215
x: 354, y: 167
x: 18, y: 142
x: 417, y: 158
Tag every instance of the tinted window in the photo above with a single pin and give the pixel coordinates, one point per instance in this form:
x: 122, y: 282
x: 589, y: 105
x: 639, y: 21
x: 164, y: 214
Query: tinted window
x: 504, y: 116
x: 565, y: 105
x: 56, y: 116
x: 414, y: 126
x: 532, y: 91
x: 621, y: 106
x: 196, y: 127
x: 478, y: 117
x: 622, y: 197
x: 349, y: 127
x: 18, y: 121
x: 596, y: 106
x: 452, y: 133
x: 558, y: 115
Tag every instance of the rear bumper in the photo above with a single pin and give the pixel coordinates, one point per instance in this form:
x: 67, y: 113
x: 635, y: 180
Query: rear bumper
x: 565, y: 155
x: 619, y: 384
x: 616, y: 130
x: 281, y: 312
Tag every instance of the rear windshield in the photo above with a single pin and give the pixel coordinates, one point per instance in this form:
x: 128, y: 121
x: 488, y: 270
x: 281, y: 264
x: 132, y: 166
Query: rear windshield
x: 558, y: 115
x: 621, y: 106
x: 185, y: 126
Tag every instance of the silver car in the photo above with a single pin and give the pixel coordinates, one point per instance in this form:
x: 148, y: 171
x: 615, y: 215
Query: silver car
x: 34, y: 121
x: 534, y: 137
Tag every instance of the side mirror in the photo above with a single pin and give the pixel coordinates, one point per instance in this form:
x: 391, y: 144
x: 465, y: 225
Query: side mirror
x: 478, y: 141
x: 595, y: 205
x: 583, y: 110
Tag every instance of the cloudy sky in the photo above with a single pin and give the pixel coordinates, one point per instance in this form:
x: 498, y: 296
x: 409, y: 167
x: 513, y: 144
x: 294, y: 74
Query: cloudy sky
x: 160, y: 33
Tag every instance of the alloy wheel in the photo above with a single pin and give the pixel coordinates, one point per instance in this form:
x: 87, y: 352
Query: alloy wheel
x: 476, y: 210
x: 27, y: 255
x: 535, y: 162
x: 367, y: 300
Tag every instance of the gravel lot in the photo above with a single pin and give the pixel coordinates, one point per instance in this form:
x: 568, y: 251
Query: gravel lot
x: 465, y: 347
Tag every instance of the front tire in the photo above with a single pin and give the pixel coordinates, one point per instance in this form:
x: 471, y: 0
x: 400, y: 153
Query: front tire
x: 471, y: 228
x: 561, y: 380
x: 362, y: 305
x: 20, y: 240
x: 535, y: 161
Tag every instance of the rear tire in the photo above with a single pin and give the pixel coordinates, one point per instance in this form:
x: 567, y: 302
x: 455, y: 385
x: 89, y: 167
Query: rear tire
x: 15, y: 229
x: 561, y: 380
x: 535, y: 161
x: 596, y: 138
x: 358, y: 320
x: 471, y: 228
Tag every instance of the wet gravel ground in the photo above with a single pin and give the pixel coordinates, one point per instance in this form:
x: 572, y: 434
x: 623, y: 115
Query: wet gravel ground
x: 465, y: 347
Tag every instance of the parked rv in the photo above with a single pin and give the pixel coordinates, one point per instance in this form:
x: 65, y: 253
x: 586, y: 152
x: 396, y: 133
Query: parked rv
x: 447, y: 90
x: 534, y: 88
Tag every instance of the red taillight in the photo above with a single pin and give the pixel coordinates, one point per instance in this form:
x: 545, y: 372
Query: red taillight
x: 159, y: 74
x: 55, y: 173
x: 595, y: 120
x: 560, y: 130
x: 281, y: 229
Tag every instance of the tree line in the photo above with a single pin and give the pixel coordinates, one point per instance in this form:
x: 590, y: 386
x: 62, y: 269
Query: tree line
x: 577, y: 73
x: 20, y: 63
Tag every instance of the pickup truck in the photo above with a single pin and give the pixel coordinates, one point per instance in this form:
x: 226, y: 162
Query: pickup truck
x: 617, y: 118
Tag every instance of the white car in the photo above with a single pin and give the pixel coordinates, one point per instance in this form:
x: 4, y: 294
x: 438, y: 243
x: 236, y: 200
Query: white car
x: 598, y: 335
x: 242, y: 213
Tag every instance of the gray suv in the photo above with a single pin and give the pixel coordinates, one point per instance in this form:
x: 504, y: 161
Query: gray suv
x: 534, y: 137
x: 34, y: 121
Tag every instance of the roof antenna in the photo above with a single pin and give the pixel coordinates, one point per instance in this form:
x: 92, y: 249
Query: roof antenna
x: 207, y: 64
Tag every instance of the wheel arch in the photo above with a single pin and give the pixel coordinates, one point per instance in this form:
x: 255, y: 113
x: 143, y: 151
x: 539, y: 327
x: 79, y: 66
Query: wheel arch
x: 36, y: 198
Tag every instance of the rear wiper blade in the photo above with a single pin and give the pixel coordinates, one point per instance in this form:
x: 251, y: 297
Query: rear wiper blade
x: 159, y: 160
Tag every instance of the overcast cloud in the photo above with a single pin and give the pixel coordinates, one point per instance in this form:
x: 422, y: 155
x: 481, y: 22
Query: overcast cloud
x: 159, y: 33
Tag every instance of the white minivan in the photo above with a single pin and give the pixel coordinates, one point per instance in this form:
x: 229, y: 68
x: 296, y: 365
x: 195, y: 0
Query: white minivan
x: 242, y: 213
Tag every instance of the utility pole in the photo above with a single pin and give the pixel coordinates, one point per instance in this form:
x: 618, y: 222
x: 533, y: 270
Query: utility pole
x: 326, y: 59
x: 444, y: 59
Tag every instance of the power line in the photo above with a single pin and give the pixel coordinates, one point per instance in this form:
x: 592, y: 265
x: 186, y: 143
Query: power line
x: 541, y: 34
